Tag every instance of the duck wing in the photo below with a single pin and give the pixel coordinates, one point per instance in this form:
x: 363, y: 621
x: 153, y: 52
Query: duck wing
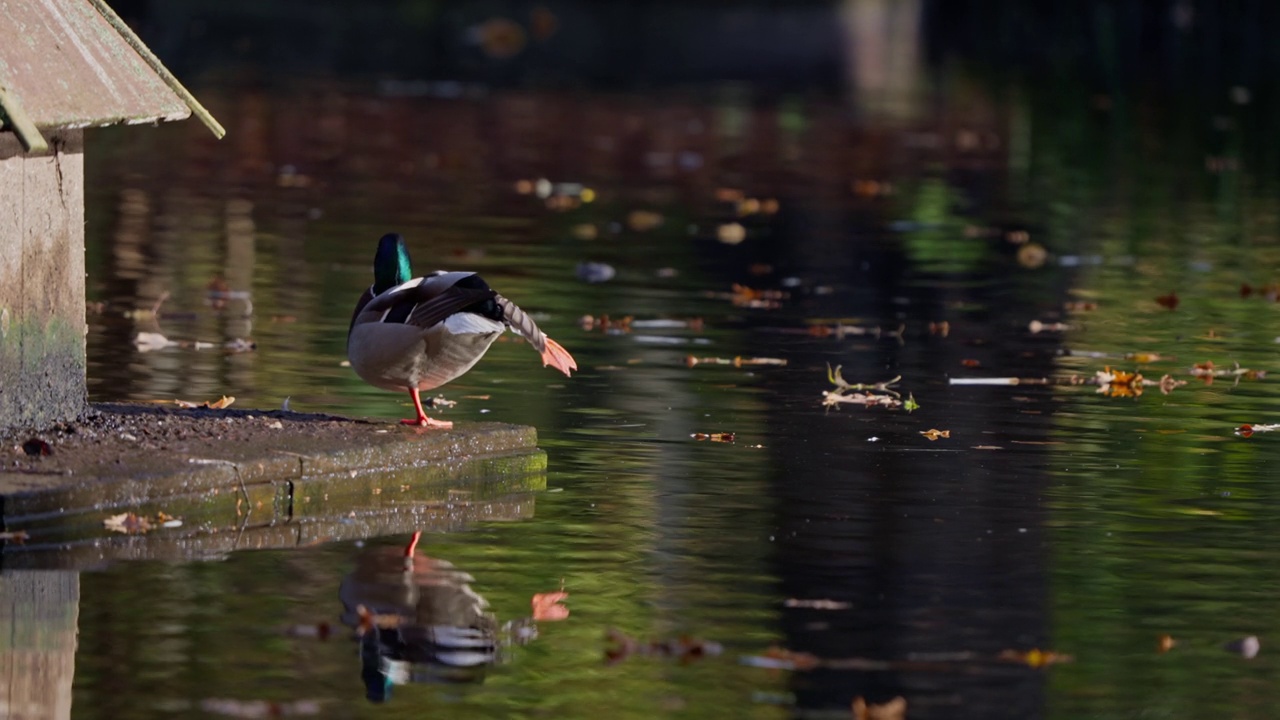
x: 426, y: 301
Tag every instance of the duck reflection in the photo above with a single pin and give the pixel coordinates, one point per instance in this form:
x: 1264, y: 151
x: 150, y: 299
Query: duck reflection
x: 419, y: 621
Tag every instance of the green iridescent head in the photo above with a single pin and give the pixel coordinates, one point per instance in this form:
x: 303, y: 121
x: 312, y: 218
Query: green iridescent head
x: 391, y: 264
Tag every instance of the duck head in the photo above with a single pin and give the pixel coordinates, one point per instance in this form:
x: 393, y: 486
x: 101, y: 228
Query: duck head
x: 391, y: 265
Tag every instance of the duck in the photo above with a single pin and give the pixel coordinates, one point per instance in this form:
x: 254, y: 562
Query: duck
x: 410, y: 334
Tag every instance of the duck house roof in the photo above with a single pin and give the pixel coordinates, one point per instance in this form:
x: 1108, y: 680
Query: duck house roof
x: 74, y: 63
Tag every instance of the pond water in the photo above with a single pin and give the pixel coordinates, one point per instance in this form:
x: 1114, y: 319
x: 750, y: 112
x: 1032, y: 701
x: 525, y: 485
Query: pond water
x: 826, y: 553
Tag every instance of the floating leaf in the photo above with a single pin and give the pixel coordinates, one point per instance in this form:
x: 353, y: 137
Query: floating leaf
x: 714, y: 437
x: 219, y: 404
x: 127, y: 523
x: 1035, y: 657
x: 546, y: 606
x: 1165, y: 643
x: 895, y: 709
x: 910, y: 404
x: 1169, y: 301
x: 934, y: 433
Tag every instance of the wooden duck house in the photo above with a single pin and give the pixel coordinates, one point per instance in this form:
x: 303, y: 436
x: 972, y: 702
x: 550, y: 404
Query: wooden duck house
x: 65, y: 65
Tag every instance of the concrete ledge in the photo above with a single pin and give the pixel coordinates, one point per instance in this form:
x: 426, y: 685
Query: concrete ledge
x: 244, y: 478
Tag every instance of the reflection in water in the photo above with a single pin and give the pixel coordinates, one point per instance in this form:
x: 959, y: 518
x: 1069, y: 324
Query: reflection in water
x: 38, y: 622
x: 419, y: 621
x: 1050, y: 517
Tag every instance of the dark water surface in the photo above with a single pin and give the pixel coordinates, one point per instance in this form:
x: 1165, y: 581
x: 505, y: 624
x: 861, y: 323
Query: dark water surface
x: 1055, y: 518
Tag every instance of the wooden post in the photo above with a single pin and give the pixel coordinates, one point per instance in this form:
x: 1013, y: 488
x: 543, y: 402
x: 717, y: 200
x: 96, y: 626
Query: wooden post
x: 42, y: 320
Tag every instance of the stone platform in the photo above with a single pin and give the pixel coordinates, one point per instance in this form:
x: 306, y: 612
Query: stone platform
x: 233, y: 479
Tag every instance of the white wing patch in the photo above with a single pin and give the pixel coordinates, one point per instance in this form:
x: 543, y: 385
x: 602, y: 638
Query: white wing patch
x: 470, y: 323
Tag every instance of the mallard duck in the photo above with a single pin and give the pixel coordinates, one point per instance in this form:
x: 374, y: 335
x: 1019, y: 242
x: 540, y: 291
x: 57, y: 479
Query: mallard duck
x: 412, y: 334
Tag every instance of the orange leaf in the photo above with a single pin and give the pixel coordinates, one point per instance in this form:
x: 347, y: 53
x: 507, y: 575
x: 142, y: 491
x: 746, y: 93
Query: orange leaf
x: 546, y: 606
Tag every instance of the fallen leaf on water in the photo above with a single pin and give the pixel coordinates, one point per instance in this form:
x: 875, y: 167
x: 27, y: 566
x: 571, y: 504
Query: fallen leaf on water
x: 895, y: 709
x: 934, y: 433
x: 910, y: 404
x: 832, y: 399
x: 127, y: 523
x: 1169, y: 301
x: 219, y: 404
x: 714, y: 437
x: 970, y: 363
x: 737, y: 361
x: 16, y: 536
x: 546, y: 606
x: 1165, y: 643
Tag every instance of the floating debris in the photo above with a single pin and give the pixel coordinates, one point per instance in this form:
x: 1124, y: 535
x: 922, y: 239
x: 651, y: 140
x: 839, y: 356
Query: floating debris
x: 1248, y: 430
x: 221, y: 403
x: 1169, y: 301
x: 594, y: 272
x: 879, y: 394
x: 832, y: 399
x: 743, y: 296
x: 842, y: 330
x: 546, y: 606
x: 736, y: 361
x: 606, y: 324
x: 1207, y: 372
x: 1246, y: 647
x: 1165, y: 643
x: 1036, y: 326
x: 731, y: 233
x: 619, y: 646
x: 714, y: 437
x: 1035, y: 657
x: 153, y: 341
x: 127, y: 523
x: 644, y: 220
x: 934, y: 433
x: 1109, y: 382
x: 895, y: 709
x: 14, y: 536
